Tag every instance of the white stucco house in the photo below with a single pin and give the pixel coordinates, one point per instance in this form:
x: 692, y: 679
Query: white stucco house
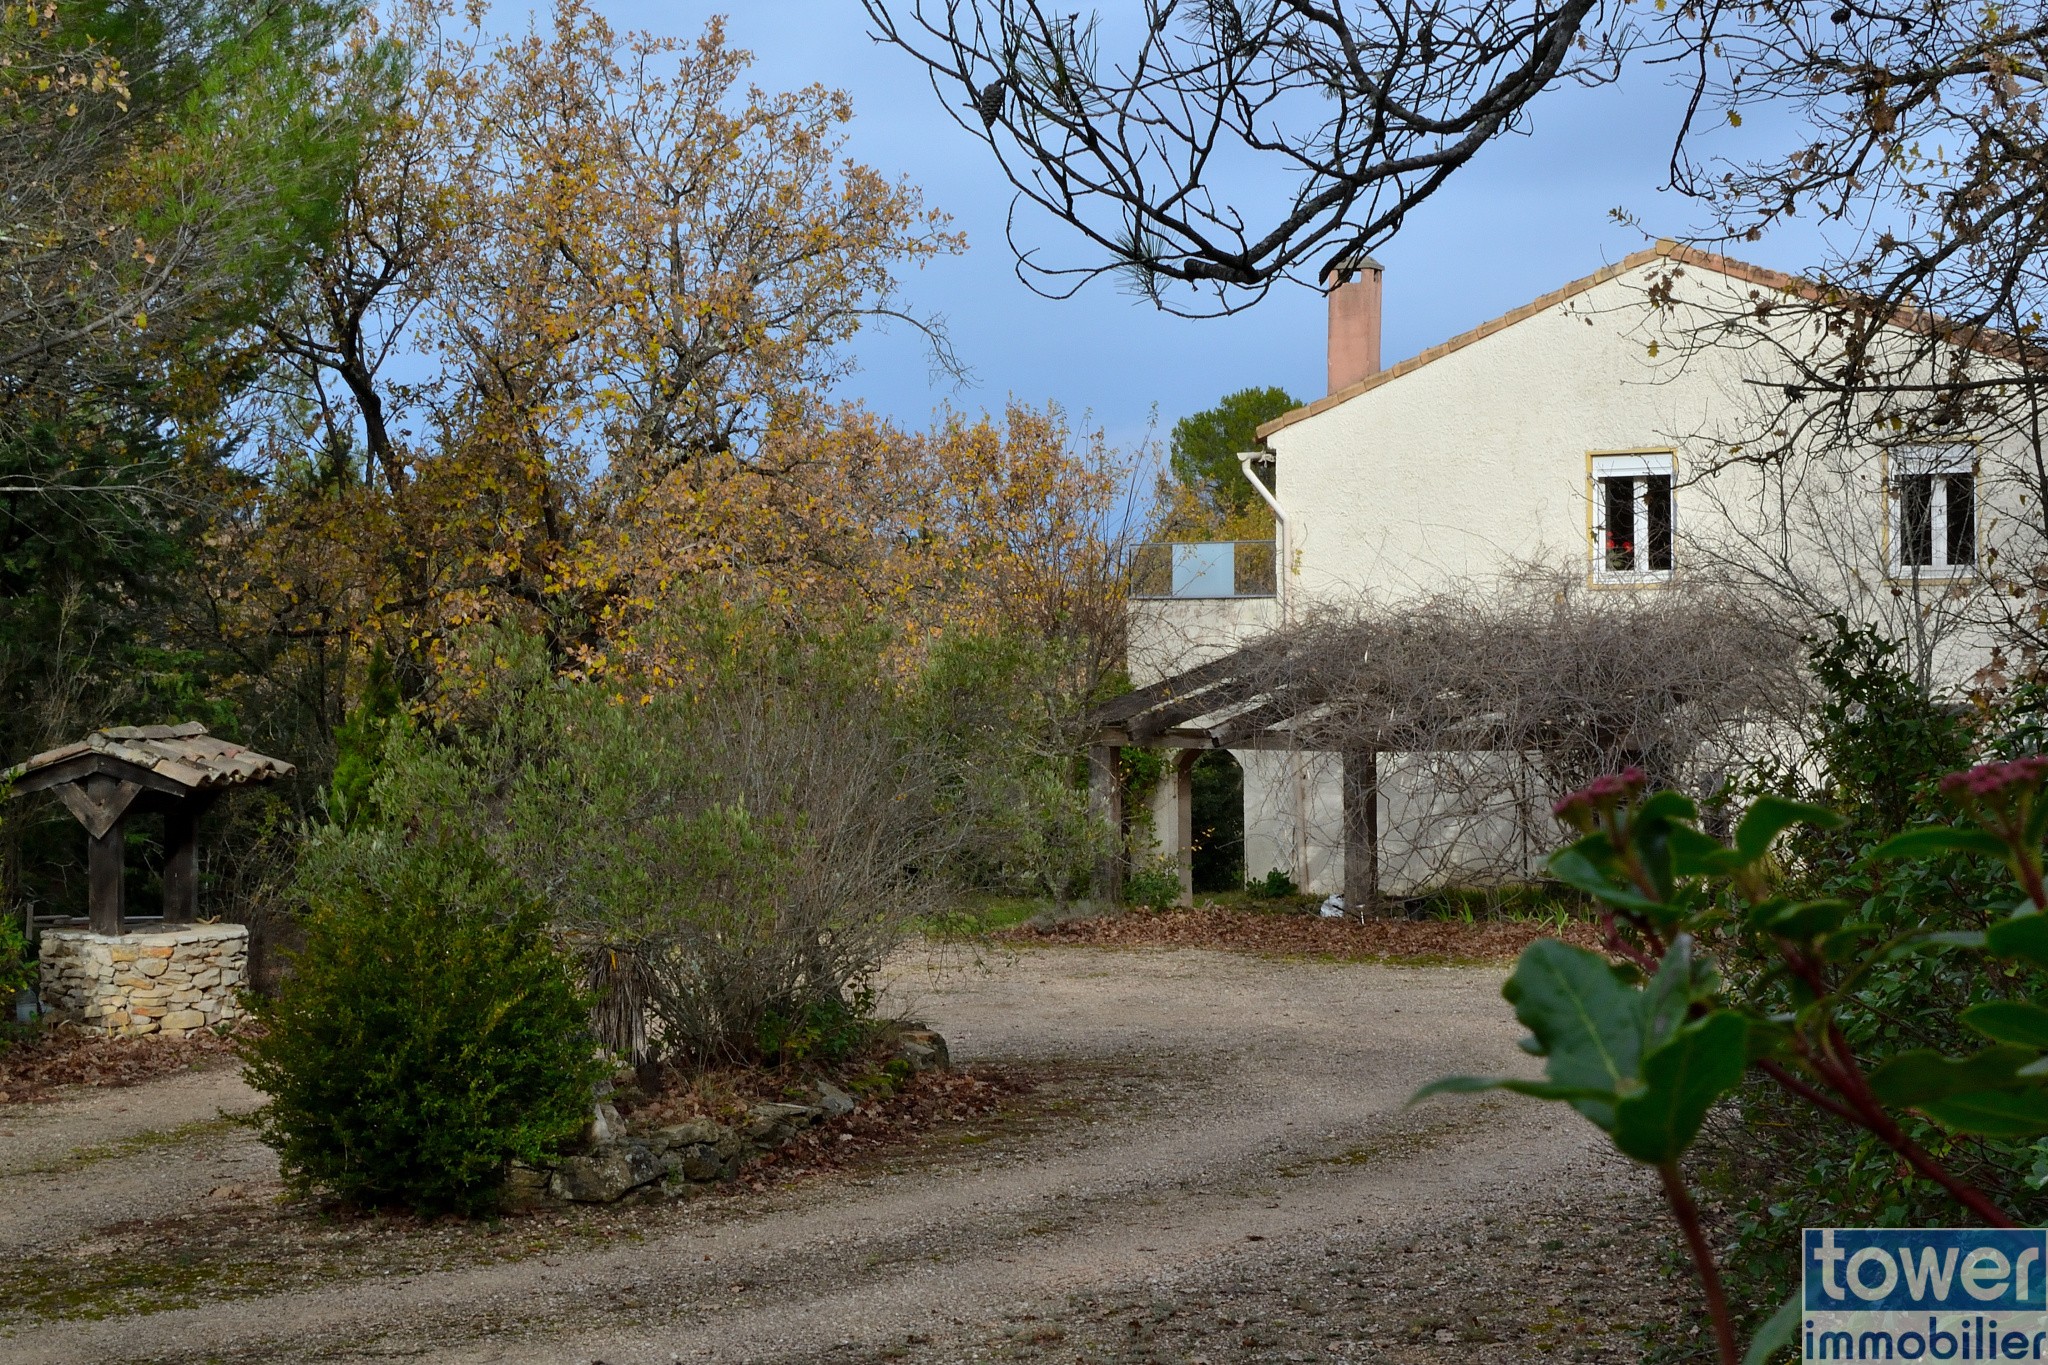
x: 1591, y: 427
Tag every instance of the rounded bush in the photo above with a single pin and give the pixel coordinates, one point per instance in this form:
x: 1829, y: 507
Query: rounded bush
x: 428, y: 1035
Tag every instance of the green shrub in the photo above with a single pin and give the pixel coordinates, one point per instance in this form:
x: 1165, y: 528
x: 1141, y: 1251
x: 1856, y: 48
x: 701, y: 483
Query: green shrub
x: 1878, y: 745
x: 359, y: 742
x: 17, y: 968
x: 1156, y: 883
x: 1833, y: 974
x: 827, y: 1030
x: 750, y: 842
x: 17, y: 974
x: 1275, y: 885
x: 428, y: 1035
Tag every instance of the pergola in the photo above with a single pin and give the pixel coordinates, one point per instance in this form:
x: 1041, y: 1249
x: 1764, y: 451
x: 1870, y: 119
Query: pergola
x: 1561, y: 683
x: 1244, y: 700
x: 177, y: 771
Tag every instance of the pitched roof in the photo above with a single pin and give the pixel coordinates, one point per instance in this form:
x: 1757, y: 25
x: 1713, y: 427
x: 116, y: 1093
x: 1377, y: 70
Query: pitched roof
x: 184, y: 754
x: 1663, y: 249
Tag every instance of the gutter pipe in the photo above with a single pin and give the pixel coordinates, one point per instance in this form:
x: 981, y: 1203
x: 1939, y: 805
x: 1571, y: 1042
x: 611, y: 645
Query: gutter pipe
x: 1280, y: 561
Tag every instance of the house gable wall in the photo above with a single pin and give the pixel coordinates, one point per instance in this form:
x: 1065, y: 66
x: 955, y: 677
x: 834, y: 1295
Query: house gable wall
x: 1477, y: 462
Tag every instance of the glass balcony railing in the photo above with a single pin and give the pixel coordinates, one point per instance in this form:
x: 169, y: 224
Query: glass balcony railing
x: 1203, y: 569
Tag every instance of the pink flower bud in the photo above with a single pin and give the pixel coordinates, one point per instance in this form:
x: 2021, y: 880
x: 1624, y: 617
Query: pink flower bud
x: 1992, y: 782
x: 1584, y: 807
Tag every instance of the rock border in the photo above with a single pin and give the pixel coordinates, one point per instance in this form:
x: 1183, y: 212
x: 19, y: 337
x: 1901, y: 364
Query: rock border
x: 617, y: 1162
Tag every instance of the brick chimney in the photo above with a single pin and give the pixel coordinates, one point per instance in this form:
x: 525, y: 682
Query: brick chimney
x: 1354, y: 288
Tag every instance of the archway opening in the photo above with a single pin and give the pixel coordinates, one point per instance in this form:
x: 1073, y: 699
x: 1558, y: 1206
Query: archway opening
x: 1218, y: 819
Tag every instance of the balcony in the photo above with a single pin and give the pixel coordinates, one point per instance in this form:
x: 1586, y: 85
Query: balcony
x: 1203, y: 570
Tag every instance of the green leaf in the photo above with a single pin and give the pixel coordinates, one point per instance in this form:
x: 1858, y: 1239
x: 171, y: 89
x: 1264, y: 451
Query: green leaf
x: 2037, y: 823
x: 1993, y: 1113
x: 1779, y: 1331
x: 1584, y: 1019
x: 1845, y: 941
x: 1694, y: 854
x: 1668, y: 997
x: 1930, y: 840
x: 1766, y: 1037
x: 1951, y: 938
x: 1923, y: 1076
x: 1574, y: 868
x: 1657, y: 822
x: 1682, y: 1079
x: 1770, y: 816
x: 1807, y: 919
x: 1664, y: 806
x: 2024, y: 937
x: 2010, y: 1021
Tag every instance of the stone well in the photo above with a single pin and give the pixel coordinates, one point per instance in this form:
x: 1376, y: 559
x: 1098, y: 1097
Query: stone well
x: 167, y: 983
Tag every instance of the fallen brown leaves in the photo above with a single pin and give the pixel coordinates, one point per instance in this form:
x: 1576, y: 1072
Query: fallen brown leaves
x: 66, y: 1055
x: 1348, y: 940
x: 928, y: 1100
x: 889, y: 1112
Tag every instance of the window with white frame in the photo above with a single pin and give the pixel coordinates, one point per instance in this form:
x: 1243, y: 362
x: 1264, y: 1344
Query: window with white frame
x: 1934, y: 510
x: 1632, y: 518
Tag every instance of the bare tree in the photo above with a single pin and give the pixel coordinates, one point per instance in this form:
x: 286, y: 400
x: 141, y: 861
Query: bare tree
x: 1916, y: 141
x: 1162, y: 155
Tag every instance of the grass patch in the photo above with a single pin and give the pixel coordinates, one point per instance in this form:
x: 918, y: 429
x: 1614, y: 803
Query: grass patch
x: 1552, y: 905
x: 1548, y: 903
x: 1392, y: 941
x: 139, y: 1145
x: 982, y: 913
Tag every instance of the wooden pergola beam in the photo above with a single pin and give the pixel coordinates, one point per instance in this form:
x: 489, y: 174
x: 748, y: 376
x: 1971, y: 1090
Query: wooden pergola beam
x: 1220, y: 696
x: 1120, y: 709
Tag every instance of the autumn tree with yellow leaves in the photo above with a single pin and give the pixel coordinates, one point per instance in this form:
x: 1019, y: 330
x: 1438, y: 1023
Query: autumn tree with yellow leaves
x: 542, y: 333
x: 570, y: 356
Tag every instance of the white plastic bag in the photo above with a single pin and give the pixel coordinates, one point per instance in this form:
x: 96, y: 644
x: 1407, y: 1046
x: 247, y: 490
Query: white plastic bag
x: 1333, y: 907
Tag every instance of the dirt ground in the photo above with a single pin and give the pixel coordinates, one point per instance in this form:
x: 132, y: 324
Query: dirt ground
x: 1216, y: 1163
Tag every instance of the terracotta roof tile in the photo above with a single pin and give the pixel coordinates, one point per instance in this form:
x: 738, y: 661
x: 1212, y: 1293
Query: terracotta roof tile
x: 186, y: 754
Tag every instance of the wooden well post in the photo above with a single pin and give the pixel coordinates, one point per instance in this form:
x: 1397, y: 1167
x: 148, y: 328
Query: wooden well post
x: 176, y: 771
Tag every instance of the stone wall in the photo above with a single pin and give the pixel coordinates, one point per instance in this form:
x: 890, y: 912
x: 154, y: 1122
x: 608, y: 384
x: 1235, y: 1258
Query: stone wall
x: 166, y: 983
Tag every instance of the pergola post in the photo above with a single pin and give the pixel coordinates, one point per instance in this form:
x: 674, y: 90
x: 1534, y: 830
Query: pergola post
x: 1106, y: 807
x: 1362, y: 831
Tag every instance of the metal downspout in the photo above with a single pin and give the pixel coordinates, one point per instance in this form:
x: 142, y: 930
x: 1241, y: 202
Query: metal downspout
x: 1280, y: 561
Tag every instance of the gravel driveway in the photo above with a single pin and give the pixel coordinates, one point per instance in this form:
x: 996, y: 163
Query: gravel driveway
x: 1229, y: 1172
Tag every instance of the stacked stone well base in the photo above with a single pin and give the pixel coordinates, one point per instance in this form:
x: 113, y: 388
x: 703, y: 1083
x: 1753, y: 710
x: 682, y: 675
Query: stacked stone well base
x: 165, y: 983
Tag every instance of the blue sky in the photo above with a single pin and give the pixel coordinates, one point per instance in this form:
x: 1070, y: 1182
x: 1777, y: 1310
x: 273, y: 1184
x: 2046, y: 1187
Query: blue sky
x: 1530, y: 214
